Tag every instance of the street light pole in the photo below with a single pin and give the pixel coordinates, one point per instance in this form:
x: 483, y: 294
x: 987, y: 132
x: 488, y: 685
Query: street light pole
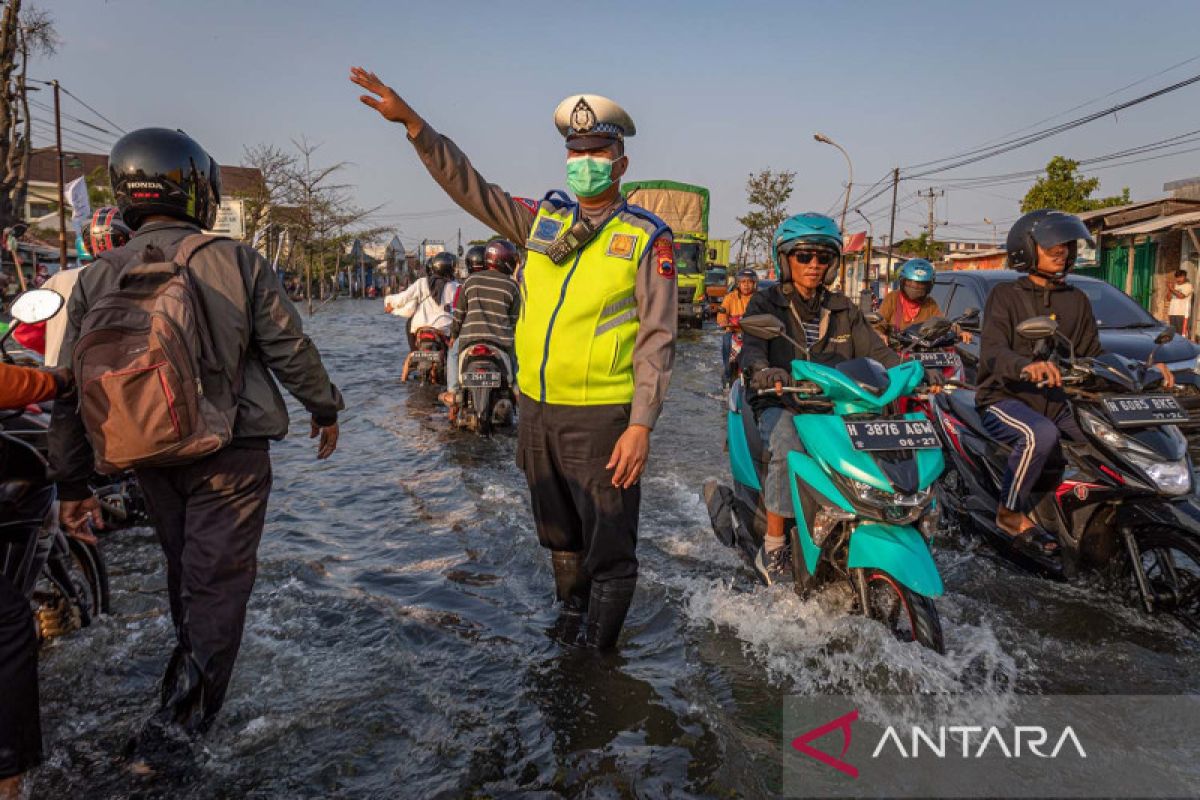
x: 995, y: 236
x: 823, y: 139
x: 864, y: 295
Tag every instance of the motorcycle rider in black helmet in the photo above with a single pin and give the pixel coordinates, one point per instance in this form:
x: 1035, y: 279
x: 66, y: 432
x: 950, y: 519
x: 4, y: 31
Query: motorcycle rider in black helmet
x: 474, y: 259
x: 487, y: 309
x: 1020, y: 397
x: 209, y: 513
x: 429, y: 302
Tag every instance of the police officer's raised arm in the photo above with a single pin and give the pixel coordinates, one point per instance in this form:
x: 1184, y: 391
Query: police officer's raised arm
x: 448, y: 165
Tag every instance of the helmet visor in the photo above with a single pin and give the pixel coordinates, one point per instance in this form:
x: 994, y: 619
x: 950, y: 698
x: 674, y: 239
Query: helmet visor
x: 1059, y: 229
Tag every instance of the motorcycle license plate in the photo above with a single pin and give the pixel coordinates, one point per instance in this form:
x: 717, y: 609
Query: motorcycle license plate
x: 940, y: 358
x: 1144, y: 409
x: 426, y: 355
x: 893, y: 434
x: 481, y: 380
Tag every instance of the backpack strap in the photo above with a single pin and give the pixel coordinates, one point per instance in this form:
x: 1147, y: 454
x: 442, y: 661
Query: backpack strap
x: 183, y: 256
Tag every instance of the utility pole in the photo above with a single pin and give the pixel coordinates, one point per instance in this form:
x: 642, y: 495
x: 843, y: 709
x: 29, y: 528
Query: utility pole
x: 892, y: 228
x: 931, y: 196
x: 62, y: 180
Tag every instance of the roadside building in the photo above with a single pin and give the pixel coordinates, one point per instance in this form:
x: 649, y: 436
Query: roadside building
x: 989, y: 258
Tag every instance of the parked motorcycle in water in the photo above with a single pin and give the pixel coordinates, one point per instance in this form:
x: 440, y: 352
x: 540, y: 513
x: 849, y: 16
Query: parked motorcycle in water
x: 485, y: 397
x: 861, y: 484
x: 65, y: 579
x: 428, y: 361
x: 1120, y: 501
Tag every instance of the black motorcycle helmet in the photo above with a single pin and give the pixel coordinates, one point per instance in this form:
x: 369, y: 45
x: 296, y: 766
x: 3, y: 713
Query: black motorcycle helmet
x: 502, y: 256
x: 161, y: 171
x: 1046, y: 228
x: 442, y: 265
x: 474, y: 259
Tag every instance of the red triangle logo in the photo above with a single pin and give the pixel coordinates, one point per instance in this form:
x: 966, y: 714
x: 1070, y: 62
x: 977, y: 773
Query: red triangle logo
x: 842, y: 723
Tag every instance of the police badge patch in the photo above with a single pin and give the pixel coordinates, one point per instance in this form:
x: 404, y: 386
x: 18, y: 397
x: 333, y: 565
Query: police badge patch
x: 664, y: 256
x: 621, y: 245
x: 547, y: 229
x: 583, y: 119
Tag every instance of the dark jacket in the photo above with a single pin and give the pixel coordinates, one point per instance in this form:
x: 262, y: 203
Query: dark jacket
x: 1003, y: 354
x: 252, y: 323
x: 844, y: 334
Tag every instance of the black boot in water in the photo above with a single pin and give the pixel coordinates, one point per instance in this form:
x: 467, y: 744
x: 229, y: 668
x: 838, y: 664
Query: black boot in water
x: 571, y: 587
x: 606, y: 611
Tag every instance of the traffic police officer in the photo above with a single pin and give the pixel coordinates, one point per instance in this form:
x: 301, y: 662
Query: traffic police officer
x: 595, y: 345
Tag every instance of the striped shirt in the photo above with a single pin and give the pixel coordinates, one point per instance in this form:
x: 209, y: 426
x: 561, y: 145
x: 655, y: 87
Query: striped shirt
x: 487, y: 310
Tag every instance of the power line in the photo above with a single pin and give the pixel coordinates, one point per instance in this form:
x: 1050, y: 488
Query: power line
x: 76, y: 98
x: 979, y: 154
x: 50, y: 109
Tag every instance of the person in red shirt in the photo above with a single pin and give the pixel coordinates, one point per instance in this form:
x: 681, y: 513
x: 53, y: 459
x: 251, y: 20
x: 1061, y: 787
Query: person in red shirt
x: 913, y: 304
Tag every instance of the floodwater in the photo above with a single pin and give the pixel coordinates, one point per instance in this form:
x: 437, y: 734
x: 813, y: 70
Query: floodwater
x: 396, y: 642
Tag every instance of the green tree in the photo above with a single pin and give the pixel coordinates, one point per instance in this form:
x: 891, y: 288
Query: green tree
x: 921, y: 247
x: 99, y: 193
x: 767, y: 193
x: 1064, y: 189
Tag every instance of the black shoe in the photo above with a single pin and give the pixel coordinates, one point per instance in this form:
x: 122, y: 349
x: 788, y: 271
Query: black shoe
x: 772, y: 565
x: 606, y: 611
x: 572, y: 588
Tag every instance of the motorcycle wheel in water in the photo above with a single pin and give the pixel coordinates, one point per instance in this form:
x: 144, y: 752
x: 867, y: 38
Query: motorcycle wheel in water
x: 485, y: 400
x: 862, y: 487
x: 1119, y: 503
x: 428, y: 361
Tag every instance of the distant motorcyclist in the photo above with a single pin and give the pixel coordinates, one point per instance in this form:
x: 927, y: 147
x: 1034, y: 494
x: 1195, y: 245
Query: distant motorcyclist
x: 807, y: 249
x: 913, y: 303
x: 733, y: 308
x: 488, y: 307
x: 475, y: 259
x: 429, y: 302
x: 1020, y: 397
x: 105, y: 230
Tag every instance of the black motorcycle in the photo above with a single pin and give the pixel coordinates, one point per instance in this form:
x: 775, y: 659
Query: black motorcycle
x: 485, y: 398
x: 427, y: 362
x: 1120, y: 502
x: 65, y: 579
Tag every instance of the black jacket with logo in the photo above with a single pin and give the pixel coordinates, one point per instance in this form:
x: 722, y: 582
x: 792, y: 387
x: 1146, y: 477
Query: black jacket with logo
x: 1003, y: 354
x: 843, y: 334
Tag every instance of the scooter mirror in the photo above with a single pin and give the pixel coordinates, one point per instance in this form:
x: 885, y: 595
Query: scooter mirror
x: 872, y: 318
x: 1164, y: 337
x: 1037, y: 328
x: 36, y: 305
x: 934, y: 327
x: 762, y: 326
x: 970, y: 315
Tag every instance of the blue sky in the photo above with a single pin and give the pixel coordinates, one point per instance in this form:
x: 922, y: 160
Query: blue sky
x: 717, y: 89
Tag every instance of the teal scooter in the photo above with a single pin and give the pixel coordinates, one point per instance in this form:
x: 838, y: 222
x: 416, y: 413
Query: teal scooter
x: 864, y: 484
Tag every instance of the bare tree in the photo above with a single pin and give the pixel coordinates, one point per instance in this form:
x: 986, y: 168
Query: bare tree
x: 276, y: 167
x: 326, y: 217
x: 768, y: 193
x: 22, y: 35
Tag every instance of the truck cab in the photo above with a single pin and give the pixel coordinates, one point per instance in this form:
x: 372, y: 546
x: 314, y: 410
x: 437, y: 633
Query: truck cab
x: 690, y: 262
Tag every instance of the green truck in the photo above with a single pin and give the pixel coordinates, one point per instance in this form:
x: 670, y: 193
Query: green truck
x: 685, y: 208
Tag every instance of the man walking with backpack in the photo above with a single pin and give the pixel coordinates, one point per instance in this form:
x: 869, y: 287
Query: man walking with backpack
x: 176, y: 341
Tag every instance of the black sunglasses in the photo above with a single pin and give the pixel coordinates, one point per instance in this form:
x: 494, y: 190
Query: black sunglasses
x: 823, y: 257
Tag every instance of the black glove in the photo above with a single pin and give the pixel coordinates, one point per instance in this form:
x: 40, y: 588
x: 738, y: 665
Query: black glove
x: 934, y: 376
x: 766, y: 378
x: 64, y: 379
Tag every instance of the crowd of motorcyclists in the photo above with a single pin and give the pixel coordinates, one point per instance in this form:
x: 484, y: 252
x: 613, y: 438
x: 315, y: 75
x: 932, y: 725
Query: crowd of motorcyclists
x: 244, y: 339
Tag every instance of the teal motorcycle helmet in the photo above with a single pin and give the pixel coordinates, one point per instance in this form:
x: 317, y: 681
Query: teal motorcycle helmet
x: 806, y: 230
x: 916, y: 279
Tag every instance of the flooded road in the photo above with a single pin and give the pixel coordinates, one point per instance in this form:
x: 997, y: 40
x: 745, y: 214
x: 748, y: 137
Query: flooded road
x: 396, y: 642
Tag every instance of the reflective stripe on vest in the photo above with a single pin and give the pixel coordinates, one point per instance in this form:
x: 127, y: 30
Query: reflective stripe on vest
x: 579, y: 322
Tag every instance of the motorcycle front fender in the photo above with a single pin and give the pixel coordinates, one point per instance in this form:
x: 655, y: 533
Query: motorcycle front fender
x: 802, y: 467
x: 1183, y: 513
x: 900, y: 551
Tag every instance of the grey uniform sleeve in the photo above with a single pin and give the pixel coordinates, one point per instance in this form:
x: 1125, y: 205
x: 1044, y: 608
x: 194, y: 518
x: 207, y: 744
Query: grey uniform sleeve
x: 654, y: 350
x: 485, y: 201
x: 279, y: 337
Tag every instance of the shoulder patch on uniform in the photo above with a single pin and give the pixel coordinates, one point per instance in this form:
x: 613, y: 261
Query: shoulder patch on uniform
x: 530, y: 204
x: 621, y: 245
x: 664, y: 255
x: 546, y: 229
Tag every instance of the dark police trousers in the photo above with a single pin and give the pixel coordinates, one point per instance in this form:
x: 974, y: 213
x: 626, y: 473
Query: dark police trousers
x: 20, y: 723
x: 563, y: 451
x: 209, y: 515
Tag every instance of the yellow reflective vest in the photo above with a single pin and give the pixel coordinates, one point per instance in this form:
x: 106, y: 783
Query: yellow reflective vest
x: 579, y: 321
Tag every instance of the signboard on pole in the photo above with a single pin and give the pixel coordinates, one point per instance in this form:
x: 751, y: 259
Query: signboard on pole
x: 230, y: 219
x: 81, y: 207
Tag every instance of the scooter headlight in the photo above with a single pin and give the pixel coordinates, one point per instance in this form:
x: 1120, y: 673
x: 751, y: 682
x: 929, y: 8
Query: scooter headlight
x: 892, y: 507
x: 1171, y: 477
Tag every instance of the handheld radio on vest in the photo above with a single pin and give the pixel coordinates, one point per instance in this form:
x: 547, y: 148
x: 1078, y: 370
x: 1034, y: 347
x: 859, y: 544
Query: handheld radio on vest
x: 576, y: 237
